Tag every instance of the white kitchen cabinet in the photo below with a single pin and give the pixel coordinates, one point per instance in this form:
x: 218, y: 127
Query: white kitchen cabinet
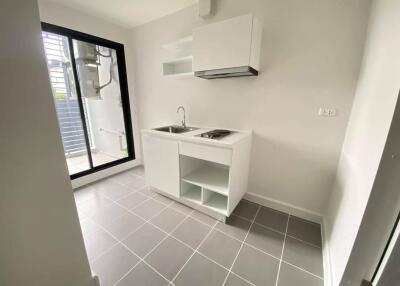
x: 161, y: 160
x: 208, y: 175
x: 235, y: 42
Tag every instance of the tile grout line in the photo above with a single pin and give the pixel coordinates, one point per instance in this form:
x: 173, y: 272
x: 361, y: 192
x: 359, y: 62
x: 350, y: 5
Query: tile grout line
x: 241, y: 246
x: 277, y: 231
x: 113, y: 236
x: 167, y: 236
x: 194, y: 252
x: 305, y: 242
x: 142, y: 259
x: 208, y: 258
x: 308, y: 272
x: 283, y: 248
x: 189, y: 215
x: 115, y: 201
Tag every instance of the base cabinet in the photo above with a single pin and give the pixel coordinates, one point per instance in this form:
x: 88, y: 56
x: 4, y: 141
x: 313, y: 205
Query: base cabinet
x: 208, y: 177
x: 161, y: 160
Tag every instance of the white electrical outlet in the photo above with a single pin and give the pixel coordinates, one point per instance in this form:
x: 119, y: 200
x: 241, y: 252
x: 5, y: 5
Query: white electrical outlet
x: 327, y: 112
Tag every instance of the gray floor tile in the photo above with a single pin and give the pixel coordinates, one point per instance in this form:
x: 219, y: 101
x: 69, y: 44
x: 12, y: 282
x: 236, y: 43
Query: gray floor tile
x: 162, y: 199
x: 246, y: 209
x: 95, y: 205
x: 290, y: 276
x: 200, y: 271
x: 124, y: 178
x: 191, y: 232
x: 137, y: 184
x: 235, y: 226
x: 234, y: 280
x: 272, y: 218
x: 266, y: 240
x: 87, y: 227
x: 181, y: 208
x: 124, y: 225
x: 111, y: 266
x: 256, y: 267
x: 303, y: 255
x: 143, y: 275
x: 101, y: 222
x: 169, y: 257
x: 148, y: 191
x: 109, y: 214
x: 144, y: 239
x: 168, y: 219
x: 111, y: 189
x: 84, y: 193
x: 203, y: 218
x: 97, y: 241
x: 132, y: 200
x: 149, y: 209
x: 305, y: 230
x: 220, y: 248
x: 139, y: 171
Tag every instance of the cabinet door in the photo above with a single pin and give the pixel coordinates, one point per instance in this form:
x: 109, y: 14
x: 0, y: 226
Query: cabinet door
x: 161, y: 161
x: 223, y: 44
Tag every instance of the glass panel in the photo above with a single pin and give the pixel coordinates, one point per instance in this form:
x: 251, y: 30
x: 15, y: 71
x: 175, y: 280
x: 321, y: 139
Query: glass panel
x: 66, y: 102
x: 100, y: 89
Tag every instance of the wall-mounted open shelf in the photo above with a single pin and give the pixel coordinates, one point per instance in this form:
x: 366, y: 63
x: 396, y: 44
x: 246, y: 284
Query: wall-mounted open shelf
x: 180, y: 65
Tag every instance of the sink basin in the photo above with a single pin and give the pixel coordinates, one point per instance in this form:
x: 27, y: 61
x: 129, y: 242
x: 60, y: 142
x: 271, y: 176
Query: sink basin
x: 175, y: 129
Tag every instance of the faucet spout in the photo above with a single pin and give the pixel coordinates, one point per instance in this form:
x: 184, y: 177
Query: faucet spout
x: 184, y: 115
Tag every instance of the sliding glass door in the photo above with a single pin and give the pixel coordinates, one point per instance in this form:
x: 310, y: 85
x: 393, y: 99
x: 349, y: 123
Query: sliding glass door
x: 88, y: 79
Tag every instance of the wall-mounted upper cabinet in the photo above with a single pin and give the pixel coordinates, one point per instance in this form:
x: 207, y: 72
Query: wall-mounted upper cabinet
x: 228, y: 48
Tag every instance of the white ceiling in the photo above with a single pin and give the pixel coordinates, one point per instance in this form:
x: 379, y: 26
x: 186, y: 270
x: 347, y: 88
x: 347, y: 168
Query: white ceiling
x: 129, y: 13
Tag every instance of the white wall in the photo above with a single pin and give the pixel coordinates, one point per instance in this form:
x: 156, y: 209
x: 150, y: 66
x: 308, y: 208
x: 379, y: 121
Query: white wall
x: 311, y: 52
x: 41, y: 241
x: 56, y: 14
x: 371, y: 116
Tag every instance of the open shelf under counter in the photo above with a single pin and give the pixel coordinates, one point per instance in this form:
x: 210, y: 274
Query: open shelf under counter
x: 213, y: 178
x: 191, y: 193
x: 215, y: 201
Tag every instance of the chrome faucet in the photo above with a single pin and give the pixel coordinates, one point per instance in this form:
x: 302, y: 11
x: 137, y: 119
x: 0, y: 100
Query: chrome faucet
x: 184, y: 115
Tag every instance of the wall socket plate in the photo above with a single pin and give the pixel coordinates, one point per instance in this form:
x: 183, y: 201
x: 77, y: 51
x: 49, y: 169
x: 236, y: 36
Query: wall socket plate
x: 327, y: 112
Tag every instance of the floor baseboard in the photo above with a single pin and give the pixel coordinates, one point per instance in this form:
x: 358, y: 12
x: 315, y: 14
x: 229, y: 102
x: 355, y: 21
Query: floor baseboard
x: 326, y: 256
x: 284, y: 207
x: 78, y: 182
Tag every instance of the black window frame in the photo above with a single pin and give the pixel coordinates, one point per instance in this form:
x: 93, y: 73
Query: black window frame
x: 123, y: 82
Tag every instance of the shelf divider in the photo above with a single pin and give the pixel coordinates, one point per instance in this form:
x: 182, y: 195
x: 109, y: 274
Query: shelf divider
x: 210, y: 177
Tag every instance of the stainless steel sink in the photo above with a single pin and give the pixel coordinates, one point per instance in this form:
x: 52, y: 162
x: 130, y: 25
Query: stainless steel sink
x: 175, y: 129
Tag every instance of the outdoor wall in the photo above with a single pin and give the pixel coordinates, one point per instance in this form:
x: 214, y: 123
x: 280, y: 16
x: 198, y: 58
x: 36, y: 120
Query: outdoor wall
x: 40, y: 237
x: 310, y: 58
x: 105, y: 114
x: 371, y: 117
x: 56, y: 14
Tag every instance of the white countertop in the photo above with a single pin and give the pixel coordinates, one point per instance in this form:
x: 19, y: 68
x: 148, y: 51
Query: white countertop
x: 227, y: 141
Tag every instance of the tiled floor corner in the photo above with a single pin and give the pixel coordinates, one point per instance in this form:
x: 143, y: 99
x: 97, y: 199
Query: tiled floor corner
x: 134, y: 236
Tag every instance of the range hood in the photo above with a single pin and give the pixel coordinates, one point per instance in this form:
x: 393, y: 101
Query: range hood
x: 230, y: 48
x: 227, y: 72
